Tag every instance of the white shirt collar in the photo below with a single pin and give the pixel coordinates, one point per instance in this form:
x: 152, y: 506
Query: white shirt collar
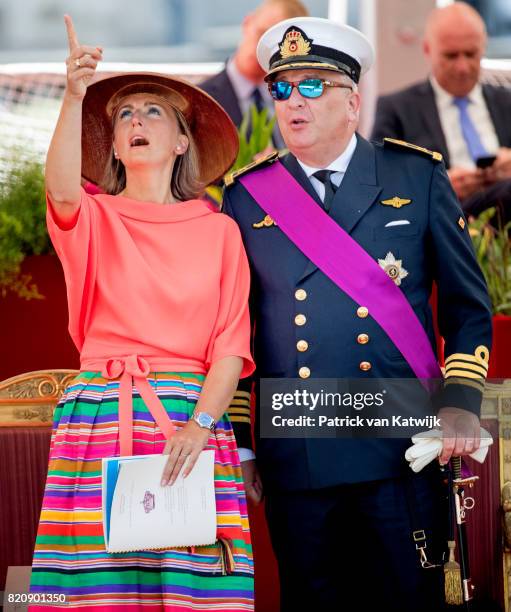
x: 338, y: 165
x: 242, y: 86
x: 445, y: 99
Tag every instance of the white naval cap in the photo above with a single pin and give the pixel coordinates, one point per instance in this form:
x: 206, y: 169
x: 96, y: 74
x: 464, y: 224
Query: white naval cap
x: 313, y: 42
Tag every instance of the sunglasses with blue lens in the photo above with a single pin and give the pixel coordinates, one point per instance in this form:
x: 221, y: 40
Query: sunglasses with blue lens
x: 308, y: 88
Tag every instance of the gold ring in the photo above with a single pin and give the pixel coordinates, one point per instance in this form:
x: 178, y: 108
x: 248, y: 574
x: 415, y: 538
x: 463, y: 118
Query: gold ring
x: 77, y: 62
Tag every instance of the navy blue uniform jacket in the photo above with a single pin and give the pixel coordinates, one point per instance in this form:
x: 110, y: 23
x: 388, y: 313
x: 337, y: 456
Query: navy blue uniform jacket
x: 433, y: 246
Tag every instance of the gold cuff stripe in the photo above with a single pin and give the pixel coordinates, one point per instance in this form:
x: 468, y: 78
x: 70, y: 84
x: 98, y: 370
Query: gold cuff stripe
x: 239, y: 419
x: 242, y: 394
x: 472, y: 361
x: 472, y: 367
x: 240, y: 407
x: 465, y: 363
x: 239, y: 402
x: 463, y: 374
x: 239, y: 412
x: 481, y: 356
x: 478, y: 385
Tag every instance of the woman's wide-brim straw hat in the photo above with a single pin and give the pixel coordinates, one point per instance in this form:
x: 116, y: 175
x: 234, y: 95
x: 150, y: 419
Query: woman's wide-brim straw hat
x: 213, y: 131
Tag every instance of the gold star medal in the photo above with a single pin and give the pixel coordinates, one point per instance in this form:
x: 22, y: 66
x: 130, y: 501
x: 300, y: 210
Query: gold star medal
x: 393, y: 268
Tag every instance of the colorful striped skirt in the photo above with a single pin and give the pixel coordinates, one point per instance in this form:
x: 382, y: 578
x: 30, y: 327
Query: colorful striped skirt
x: 70, y: 557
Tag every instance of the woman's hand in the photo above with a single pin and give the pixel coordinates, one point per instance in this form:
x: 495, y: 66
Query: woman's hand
x: 188, y: 442
x: 64, y: 160
x: 81, y: 63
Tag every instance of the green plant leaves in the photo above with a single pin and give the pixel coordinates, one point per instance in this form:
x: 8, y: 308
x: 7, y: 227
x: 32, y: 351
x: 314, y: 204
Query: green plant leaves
x: 22, y: 224
x: 492, y: 246
x: 260, y: 126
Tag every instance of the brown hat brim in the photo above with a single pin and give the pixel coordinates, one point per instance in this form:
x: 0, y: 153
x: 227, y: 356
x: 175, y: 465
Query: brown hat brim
x: 215, y: 135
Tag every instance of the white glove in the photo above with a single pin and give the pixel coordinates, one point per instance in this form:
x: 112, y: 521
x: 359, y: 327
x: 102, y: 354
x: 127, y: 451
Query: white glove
x: 428, y: 445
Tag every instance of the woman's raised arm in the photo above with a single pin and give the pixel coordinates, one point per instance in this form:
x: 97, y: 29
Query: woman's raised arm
x: 64, y: 159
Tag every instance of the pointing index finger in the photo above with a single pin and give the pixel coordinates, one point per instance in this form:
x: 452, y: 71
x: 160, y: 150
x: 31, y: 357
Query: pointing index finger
x: 71, y: 33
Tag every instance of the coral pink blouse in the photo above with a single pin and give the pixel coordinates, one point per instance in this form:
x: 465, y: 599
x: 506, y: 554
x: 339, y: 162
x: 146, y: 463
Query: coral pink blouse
x: 169, y: 283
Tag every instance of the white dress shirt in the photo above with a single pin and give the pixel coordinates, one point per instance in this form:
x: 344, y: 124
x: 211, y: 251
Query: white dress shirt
x: 338, y: 166
x: 244, y: 87
x: 450, y: 121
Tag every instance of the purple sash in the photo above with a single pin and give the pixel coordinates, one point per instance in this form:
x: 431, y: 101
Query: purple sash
x: 345, y: 262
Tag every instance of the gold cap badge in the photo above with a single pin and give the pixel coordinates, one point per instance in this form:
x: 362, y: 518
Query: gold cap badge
x: 395, y: 202
x: 294, y: 43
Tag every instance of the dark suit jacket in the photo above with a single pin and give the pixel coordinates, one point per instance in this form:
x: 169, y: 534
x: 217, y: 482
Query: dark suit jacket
x: 220, y: 88
x: 412, y: 115
x: 433, y: 245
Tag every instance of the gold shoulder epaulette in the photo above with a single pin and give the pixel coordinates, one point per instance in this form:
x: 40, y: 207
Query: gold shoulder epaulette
x: 408, y: 145
x: 267, y: 159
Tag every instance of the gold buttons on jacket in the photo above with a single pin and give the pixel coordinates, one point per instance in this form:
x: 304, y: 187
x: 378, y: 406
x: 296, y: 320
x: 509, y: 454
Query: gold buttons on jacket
x: 300, y: 295
x: 365, y: 366
x: 304, y: 372
x: 302, y: 345
x: 362, y: 338
x: 362, y: 312
x: 300, y: 319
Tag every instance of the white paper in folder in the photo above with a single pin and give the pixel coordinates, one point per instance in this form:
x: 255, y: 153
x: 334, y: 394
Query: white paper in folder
x: 140, y: 514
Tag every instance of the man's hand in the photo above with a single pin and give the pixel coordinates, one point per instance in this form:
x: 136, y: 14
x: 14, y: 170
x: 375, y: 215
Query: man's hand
x: 461, y: 433
x: 501, y: 168
x: 252, y: 480
x: 467, y: 181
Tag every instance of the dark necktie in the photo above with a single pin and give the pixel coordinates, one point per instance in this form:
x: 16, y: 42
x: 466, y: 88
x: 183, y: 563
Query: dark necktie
x: 257, y: 99
x: 468, y: 129
x: 325, y: 177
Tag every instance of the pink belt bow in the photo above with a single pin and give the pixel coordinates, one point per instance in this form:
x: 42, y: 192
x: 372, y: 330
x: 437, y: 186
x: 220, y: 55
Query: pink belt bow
x: 133, y: 370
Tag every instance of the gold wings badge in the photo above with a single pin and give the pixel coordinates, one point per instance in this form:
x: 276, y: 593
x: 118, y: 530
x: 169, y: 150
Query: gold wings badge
x: 395, y: 202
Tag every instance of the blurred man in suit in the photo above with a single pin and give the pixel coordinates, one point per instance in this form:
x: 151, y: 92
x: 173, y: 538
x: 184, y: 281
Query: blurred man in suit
x: 241, y: 83
x: 453, y: 113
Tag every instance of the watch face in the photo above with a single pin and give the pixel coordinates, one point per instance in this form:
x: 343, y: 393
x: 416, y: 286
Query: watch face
x: 205, y: 420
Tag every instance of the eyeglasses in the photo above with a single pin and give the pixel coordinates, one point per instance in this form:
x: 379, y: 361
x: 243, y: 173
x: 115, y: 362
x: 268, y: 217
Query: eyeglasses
x: 308, y: 88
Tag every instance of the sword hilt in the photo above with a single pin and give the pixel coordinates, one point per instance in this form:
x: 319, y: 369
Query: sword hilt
x: 456, y: 467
